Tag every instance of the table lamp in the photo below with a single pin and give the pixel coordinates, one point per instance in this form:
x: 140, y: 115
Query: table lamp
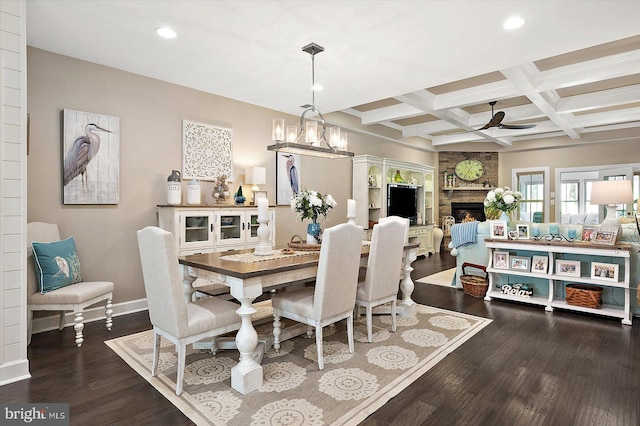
x: 610, y: 193
x: 256, y: 176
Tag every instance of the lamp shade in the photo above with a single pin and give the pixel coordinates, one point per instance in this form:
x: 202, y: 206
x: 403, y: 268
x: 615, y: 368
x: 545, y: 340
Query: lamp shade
x: 611, y: 192
x: 255, y: 175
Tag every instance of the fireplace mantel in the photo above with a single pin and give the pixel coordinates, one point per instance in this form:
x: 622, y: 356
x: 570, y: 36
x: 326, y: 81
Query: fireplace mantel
x: 452, y: 189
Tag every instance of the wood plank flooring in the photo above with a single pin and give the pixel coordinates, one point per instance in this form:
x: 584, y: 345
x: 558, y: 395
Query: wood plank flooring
x: 527, y: 368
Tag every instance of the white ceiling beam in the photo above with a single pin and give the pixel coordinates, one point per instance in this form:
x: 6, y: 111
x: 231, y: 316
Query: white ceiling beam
x: 613, y: 66
x: 473, y: 137
x: 476, y: 95
x: 602, y: 99
x: 390, y: 113
x: 524, y: 77
x: 609, y: 117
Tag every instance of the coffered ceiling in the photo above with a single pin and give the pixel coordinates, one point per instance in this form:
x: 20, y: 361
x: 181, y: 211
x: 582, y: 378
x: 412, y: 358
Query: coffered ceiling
x: 424, y: 69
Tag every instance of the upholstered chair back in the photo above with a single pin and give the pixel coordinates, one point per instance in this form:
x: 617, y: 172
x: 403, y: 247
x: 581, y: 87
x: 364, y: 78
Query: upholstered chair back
x: 385, y: 258
x: 406, y: 222
x: 337, y: 278
x: 162, y: 281
x: 43, y: 233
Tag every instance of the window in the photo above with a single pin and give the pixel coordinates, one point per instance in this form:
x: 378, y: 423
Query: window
x: 531, y: 185
x: 570, y: 198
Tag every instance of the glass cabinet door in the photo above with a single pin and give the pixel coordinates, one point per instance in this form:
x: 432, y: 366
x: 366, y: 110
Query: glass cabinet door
x: 231, y: 226
x: 196, y: 229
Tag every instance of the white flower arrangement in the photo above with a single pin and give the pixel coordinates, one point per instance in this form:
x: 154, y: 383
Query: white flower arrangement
x: 310, y: 204
x: 501, y: 200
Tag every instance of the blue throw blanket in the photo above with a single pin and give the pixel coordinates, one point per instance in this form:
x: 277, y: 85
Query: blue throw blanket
x: 464, y: 233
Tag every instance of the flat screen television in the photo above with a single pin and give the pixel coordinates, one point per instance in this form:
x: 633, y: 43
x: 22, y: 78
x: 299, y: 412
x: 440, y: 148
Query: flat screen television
x: 402, y: 200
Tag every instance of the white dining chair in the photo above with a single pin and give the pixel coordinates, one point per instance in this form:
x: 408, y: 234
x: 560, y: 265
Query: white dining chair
x: 384, y: 269
x: 178, y: 321
x: 333, y: 297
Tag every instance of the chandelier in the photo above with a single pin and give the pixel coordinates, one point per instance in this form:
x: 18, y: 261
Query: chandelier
x: 308, y: 139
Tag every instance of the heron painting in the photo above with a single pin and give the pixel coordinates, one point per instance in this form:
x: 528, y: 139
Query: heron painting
x: 90, y: 169
x: 288, y: 177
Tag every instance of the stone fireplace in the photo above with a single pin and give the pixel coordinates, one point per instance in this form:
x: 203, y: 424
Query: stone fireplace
x: 468, y: 211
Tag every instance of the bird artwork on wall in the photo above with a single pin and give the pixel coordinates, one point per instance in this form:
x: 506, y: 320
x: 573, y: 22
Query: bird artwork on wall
x: 91, y: 163
x: 288, y: 177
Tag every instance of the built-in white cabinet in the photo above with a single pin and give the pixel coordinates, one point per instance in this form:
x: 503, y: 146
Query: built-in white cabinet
x: 206, y: 229
x: 376, y: 179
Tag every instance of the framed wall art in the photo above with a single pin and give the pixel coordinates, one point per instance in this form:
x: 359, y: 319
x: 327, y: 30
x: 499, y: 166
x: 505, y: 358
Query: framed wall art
x: 604, y: 271
x: 91, y: 158
x: 287, y: 177
x: 206, y: 151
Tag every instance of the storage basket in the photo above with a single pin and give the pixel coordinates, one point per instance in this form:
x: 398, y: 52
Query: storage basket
x: 297, y: 244
x: 474, y: 285
x: 587, y: 296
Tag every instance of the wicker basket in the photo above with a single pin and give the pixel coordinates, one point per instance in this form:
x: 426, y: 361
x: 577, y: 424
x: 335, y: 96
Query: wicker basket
x: 297, y: 244
x: 587, y: 296
x: 474, y: 285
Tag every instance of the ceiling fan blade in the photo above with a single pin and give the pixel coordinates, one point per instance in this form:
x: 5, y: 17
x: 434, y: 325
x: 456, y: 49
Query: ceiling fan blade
x: 495, y: 121
x: 516, y: 126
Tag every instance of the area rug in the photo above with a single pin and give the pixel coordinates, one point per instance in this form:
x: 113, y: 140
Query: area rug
x: 443, y: 278
x: 295, y: 392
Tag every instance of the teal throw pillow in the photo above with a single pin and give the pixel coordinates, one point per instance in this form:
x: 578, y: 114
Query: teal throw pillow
x: 56, y: 263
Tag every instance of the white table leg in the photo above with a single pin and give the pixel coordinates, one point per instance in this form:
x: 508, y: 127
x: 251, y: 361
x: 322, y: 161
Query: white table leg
x: 246, y: 376
x: 187, y: 283
x: 407, y: 307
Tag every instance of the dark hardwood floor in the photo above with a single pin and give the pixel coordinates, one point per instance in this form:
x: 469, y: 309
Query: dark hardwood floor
x: 526, y: 368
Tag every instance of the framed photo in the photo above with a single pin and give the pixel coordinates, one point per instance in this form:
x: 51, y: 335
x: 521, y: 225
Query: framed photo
x: 604, y: 271
x: 523, y: 231
x: 287, y: 177
x: 499, y: 229
x: 258, y: 195
x: 588, y: 232
x: 539, y: 264
x: 91, y: 162
x: 501, y: 260
x: 605, y: 236
x: 569, y: 268
x: 520, y: 263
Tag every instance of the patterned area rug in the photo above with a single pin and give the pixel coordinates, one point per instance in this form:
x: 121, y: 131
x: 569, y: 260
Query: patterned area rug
x: 443, y: 278
x: 295, y: 392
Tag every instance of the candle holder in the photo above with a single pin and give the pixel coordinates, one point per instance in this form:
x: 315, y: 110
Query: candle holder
x: 554, y: 237
x: 263, y: 248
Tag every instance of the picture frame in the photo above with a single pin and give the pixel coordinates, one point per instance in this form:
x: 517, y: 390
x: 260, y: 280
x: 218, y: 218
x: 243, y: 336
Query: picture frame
x: 605, y: 236
x: 539, y: 264
x: 568, y: 268
x: 523, y: 231
x: 499, y: 229
x: 500, y: 260
x: 604, y: 271
x: 588, y: 232
x: 92, y: 178
x: 520, y: 263
x: 288, y: 177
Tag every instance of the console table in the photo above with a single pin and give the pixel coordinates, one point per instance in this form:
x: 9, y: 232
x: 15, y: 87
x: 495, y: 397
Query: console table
x: 556, y: 250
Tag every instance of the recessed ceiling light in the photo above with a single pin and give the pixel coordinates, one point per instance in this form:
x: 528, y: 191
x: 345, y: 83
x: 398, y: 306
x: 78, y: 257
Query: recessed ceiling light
x: 166, y: 32
x: 513, y: 23
x: 316, y: 87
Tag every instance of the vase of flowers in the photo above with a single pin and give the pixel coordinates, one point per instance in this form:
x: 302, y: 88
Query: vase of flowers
x: 500, y: 202
x: 309, y: 204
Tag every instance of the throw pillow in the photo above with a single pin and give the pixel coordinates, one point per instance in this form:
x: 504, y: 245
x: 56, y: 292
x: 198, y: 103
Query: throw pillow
x: 56, y: 263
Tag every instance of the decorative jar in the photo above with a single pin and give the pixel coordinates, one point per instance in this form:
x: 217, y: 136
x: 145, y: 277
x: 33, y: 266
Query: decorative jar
x: 174, y: 188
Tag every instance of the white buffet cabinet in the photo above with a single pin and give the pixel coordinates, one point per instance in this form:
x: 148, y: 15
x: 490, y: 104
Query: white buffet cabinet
x: 207, y: 229
x: 584, y: 252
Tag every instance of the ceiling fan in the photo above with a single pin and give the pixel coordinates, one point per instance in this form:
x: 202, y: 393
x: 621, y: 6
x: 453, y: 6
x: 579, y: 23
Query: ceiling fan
x: 496, y: 121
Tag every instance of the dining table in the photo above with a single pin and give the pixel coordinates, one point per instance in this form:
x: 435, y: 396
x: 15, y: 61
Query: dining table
x: 248, y: 276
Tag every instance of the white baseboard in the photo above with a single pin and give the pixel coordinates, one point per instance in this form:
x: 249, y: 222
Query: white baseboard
x: 96, y: 313
x: 14, y: 371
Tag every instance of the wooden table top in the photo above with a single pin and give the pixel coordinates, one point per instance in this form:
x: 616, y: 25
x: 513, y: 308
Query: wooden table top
x: 215, y: 262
